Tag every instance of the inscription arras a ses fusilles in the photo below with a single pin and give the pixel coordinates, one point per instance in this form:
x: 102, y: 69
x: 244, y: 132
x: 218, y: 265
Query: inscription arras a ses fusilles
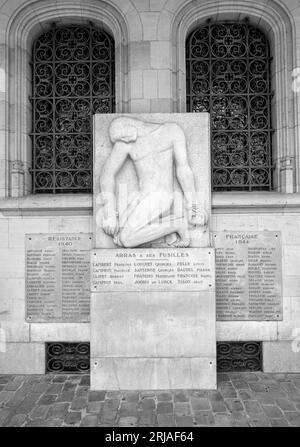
x: 152, y: 269
x: 248, y: 276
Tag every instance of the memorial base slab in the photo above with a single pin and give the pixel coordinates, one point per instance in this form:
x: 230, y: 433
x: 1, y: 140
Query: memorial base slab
x: 152, y: 336
x: 153, y: 373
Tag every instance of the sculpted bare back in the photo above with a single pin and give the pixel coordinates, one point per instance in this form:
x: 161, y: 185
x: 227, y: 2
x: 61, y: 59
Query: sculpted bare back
x: 155, y: 149
x: 153, y: 158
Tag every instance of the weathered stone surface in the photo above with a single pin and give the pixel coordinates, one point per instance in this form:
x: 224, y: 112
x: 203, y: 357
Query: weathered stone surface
x: 148, y: 404
x: 79, y: 403
x: 58, y: 411
x: 39, y: 412
x: 31, y: 358
x: 17, y: 420
x: 164, y: 396
x: 73, y: 418
x: 148, y: 418
x: 94, y: 407
x: 153, y: 338
x: 182, y: 409
x: 47, y: 399
x: 128, y: 421
x: 96, y: 396
x: 89, y: 421
x: 165, y: 408
x: 166, y: 420
x: 252, y: 407
x: 205, y: 418
x: 200, y: 404
x: 152, y: 373
x: 234, y: 405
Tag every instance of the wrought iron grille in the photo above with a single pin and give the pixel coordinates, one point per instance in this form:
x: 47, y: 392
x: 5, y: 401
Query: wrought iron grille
x: 73, y: 78
x: 228, y: 75
x: 67, y: 357
x: 239, y: 356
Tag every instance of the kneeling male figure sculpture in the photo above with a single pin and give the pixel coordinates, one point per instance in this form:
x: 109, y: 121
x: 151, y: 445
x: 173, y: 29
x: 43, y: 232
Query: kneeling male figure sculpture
x: 155, y: 150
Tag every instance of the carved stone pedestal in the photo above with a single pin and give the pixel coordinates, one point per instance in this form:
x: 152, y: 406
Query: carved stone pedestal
x: 153, y: 319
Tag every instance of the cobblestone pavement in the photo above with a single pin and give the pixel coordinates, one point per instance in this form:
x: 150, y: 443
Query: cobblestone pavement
x: 242, y: 400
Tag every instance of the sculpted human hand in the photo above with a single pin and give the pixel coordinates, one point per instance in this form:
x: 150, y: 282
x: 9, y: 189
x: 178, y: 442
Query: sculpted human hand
x: 197, y: 216
x: 110, y: 225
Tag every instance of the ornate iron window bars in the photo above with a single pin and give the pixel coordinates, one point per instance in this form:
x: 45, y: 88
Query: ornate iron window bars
x: 73, y: 78
x: 228, y: 75
x: 67, y: 357
x: 239, y: 356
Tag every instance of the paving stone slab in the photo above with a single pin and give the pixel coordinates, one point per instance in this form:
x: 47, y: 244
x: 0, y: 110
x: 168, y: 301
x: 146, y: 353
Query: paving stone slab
x: 60, y: 378
x: 17, y: 420
x: 166, y: 420
x: 89, y: 421
x: 181, y: 397
x: 54, y: 388
x: 164, y: 397
x: 218, y: 407
x: 273, y: 412
x: 128, y: 422
x: 66, y: 396
x: 132, y: 397
x: 58, y: 410
x: 260, y: 421
x: 182, y: 409
x: 79, y: 403
x: 252, y: 407
x: 184, y: 421
x: 205, y: 418
x: 128, y: 409
x: 5, y: 416
x: 234, y: 405
x: 85, y: 380
x: 200, y: 404
x: 147, y: 418
x: 279, y: 423
x: 165, y: 408
x: 39, y: 412
x: 95, y: 407
x: 47, y: 399
x: 73, y: 417
x: 223, y: 420
x: 5, y: 379
x: 293, y: 417
x: 286, y: 405
x: 147, y: 404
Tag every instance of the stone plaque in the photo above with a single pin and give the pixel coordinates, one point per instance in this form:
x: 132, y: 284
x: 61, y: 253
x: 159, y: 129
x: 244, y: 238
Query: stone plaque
x: 147, y: 166
x: 248, y: 276
x: 58, y: 277
x: 152, y: 269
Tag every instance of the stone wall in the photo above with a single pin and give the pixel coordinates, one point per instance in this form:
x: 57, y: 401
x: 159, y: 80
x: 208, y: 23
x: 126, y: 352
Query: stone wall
x: 150, y: 77
x: 26, y: 341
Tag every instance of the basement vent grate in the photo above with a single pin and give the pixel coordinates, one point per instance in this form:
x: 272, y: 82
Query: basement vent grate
x: 239, y: 356
x: 71, y: 358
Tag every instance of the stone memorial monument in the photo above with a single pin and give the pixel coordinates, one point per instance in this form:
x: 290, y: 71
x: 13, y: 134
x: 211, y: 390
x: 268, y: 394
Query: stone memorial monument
x: 153, y: 268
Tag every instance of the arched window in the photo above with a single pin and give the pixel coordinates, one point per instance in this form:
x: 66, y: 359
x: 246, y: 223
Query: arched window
x: 228, y: 75
x: 73, y: 78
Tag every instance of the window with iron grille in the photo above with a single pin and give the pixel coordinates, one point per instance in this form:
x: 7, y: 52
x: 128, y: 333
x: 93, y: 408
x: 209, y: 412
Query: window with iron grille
x: 73, y: 78
x: 228, y: 75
